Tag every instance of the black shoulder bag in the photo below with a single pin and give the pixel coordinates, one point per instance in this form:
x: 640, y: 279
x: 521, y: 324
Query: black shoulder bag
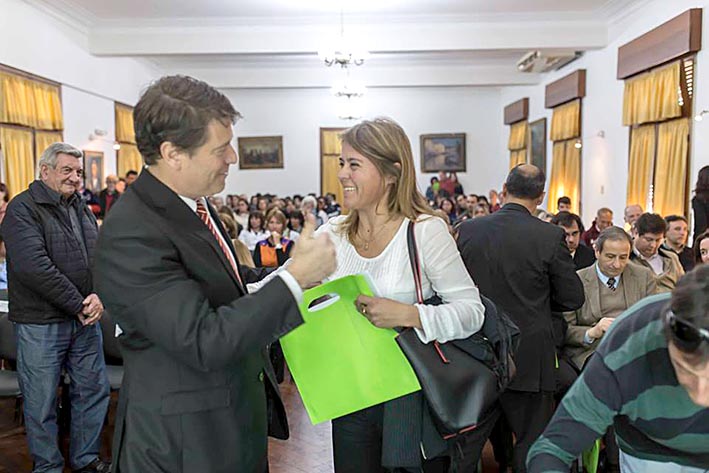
x: 460, y: 389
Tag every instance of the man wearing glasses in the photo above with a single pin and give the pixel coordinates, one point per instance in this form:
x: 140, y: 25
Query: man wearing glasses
x: 649, y: 379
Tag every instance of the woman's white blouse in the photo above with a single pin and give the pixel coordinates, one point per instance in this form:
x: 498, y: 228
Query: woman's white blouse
x: 251, y: 238
x: 461, y: 314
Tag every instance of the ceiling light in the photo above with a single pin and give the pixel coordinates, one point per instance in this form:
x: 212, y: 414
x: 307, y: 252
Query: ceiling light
x: 343, y: 51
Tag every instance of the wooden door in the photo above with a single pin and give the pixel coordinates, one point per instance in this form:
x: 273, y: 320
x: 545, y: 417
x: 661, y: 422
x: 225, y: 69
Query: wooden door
x: 330, y: 148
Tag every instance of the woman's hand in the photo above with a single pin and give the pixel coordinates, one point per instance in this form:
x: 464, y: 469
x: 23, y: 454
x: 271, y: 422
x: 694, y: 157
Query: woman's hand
x: 387, y: 313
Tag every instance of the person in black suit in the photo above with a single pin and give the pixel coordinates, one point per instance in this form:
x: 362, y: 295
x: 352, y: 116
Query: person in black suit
x: 199, y: 394
x: 700, y: 202
x: 572, y: 225
x: 524, y: 266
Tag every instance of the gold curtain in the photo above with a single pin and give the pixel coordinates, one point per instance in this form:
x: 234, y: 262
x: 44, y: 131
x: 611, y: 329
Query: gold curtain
x: 642, y: 152
x: 518, y: 157
x: 518, y: 136
x: 652, y: 96
x: 125, y: 133
x: 29, y: 103
x: 129, y: 159
x: 330, y: 142
x: 565, y: 175
x: 42, y: 139
x: 18, y: 153
x: 671, y: 168
x: 566, y: 121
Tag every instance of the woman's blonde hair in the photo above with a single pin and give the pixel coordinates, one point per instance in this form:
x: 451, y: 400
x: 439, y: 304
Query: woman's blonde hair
x: 280, y: 217
x: 385, y: 144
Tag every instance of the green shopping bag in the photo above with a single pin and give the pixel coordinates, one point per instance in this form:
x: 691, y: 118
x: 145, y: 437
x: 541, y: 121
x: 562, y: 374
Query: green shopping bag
x: 340, y: 362
x: 590, y: 457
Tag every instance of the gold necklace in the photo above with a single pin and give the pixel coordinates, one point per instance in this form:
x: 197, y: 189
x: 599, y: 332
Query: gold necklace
x: 374, y: 235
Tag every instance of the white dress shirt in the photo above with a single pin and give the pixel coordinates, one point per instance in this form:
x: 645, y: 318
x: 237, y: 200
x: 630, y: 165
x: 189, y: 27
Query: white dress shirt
x: 462, y: 312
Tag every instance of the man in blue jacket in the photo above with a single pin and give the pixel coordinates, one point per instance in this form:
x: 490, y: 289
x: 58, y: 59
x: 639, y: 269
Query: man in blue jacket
x: 50, y: 236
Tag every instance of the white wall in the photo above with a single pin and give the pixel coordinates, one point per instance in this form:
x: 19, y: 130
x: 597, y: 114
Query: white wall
x: 84, y: 112
x: 298, y: 115
x: 33, y: 41
x: 604, y: 169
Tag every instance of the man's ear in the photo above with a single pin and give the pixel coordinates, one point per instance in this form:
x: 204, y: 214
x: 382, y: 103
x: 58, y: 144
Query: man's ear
x: 171, y: 155
x: 541, y: 198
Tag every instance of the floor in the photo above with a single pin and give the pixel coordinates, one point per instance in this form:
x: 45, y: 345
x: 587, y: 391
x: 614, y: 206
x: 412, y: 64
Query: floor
x: 307, y: 451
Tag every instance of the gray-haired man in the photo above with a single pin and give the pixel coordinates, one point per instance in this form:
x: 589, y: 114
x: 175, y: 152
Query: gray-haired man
x: 50, y: 236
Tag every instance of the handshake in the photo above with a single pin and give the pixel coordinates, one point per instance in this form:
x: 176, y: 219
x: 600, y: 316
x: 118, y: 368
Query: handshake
x: 313, y: 259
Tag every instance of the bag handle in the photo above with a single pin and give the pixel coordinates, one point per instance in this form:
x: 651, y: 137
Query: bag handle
x: 416, y: 269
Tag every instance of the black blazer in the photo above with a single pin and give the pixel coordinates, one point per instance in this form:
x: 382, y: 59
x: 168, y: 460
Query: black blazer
x: 584, y: 257
x: 523, y: 265
x: 194, y: 395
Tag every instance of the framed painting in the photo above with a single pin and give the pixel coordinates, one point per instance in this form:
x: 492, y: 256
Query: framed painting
x: 261, y: 152
x: 443, y: 152
x: 538, y: 143
x: 93, y: 171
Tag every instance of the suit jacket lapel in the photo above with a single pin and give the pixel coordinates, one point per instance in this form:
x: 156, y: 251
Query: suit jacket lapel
x: 161, y: 197
x: 594, y: 286
x: 220, y: 228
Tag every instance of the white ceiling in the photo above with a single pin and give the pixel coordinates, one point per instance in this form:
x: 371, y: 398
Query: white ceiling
x: 274, y: 43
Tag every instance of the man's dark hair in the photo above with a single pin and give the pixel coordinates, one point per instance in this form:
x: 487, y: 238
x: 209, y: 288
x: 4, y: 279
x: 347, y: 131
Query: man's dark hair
x: 690, y: 298
x: 567, y: 219
x: 563, y: 200
x: 604, y: 210
x: 612, y: 234
x: 650, y: 223
x: 131, y: 173
x: 674, y: 218
x: 178, y: 109
x: 525, y: 181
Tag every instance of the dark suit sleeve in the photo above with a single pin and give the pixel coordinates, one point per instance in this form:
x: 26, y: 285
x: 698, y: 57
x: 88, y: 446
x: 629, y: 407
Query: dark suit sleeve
x: 700, y: 215
x: 566, y: 287
x: 142, y: 280
x: 32, y: 265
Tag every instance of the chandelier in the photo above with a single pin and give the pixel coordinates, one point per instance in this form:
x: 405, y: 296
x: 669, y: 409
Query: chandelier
x: 342, y: 51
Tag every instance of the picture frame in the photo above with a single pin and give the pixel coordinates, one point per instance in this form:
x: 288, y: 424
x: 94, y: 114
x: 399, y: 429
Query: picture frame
x: 443, y: 152
x: 93, y: 171
x: 261, y: 152
x: 538, y: 143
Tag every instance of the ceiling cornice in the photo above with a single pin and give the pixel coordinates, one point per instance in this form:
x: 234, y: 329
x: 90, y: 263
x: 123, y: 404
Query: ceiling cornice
x: 66, y: 12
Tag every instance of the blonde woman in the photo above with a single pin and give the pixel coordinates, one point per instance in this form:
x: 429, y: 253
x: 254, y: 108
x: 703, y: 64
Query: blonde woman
x: 377, y: 174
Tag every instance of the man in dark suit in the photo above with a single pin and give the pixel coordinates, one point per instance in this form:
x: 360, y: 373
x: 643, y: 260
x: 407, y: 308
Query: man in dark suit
x: 524, y: 266
x: 199, y: 393
x: 108, y: 197
x: 572, y: 225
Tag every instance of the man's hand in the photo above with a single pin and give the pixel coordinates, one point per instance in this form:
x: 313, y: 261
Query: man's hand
x: 387, y: 313
x: 93, y: 310
x: 314, y: 259
x: 600, y: 328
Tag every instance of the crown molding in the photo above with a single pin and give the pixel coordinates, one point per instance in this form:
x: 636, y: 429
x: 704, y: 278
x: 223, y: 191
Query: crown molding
x: 66, y: 12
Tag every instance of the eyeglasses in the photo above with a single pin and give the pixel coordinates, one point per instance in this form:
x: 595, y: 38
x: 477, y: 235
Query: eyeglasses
x: 686, y: 336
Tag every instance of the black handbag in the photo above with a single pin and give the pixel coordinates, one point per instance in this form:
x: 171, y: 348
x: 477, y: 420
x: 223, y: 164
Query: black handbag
x: 461, y: 391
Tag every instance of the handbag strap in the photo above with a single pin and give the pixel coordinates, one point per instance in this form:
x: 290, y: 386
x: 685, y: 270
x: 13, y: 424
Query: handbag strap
x: 414, y: 260
x: 416, y: 269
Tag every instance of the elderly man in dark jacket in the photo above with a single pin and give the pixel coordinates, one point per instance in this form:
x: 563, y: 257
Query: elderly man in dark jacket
x: 50, y: 236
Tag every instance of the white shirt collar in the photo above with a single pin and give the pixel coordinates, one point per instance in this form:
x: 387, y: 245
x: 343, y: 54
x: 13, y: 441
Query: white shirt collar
x: 191, y: 203
x: 604, y: 279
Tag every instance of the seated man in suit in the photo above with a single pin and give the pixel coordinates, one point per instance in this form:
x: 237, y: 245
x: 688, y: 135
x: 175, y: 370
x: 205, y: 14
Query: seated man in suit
x: 610, y: 286
x: 648, y: 234
x: 573, y: 228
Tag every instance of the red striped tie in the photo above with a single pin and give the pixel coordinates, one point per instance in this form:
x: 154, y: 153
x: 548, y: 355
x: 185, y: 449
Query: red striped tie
x: 204, y: 216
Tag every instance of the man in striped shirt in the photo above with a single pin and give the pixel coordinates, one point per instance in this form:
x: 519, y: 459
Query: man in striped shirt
x: 649, y: 379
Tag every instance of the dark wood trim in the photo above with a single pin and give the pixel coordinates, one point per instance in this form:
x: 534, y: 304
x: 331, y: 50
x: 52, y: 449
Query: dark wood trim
x: 27, y: 75
x: 517, y: 111
x: 671, y: 40
x: 321, y: 131
x: 566, y: 89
